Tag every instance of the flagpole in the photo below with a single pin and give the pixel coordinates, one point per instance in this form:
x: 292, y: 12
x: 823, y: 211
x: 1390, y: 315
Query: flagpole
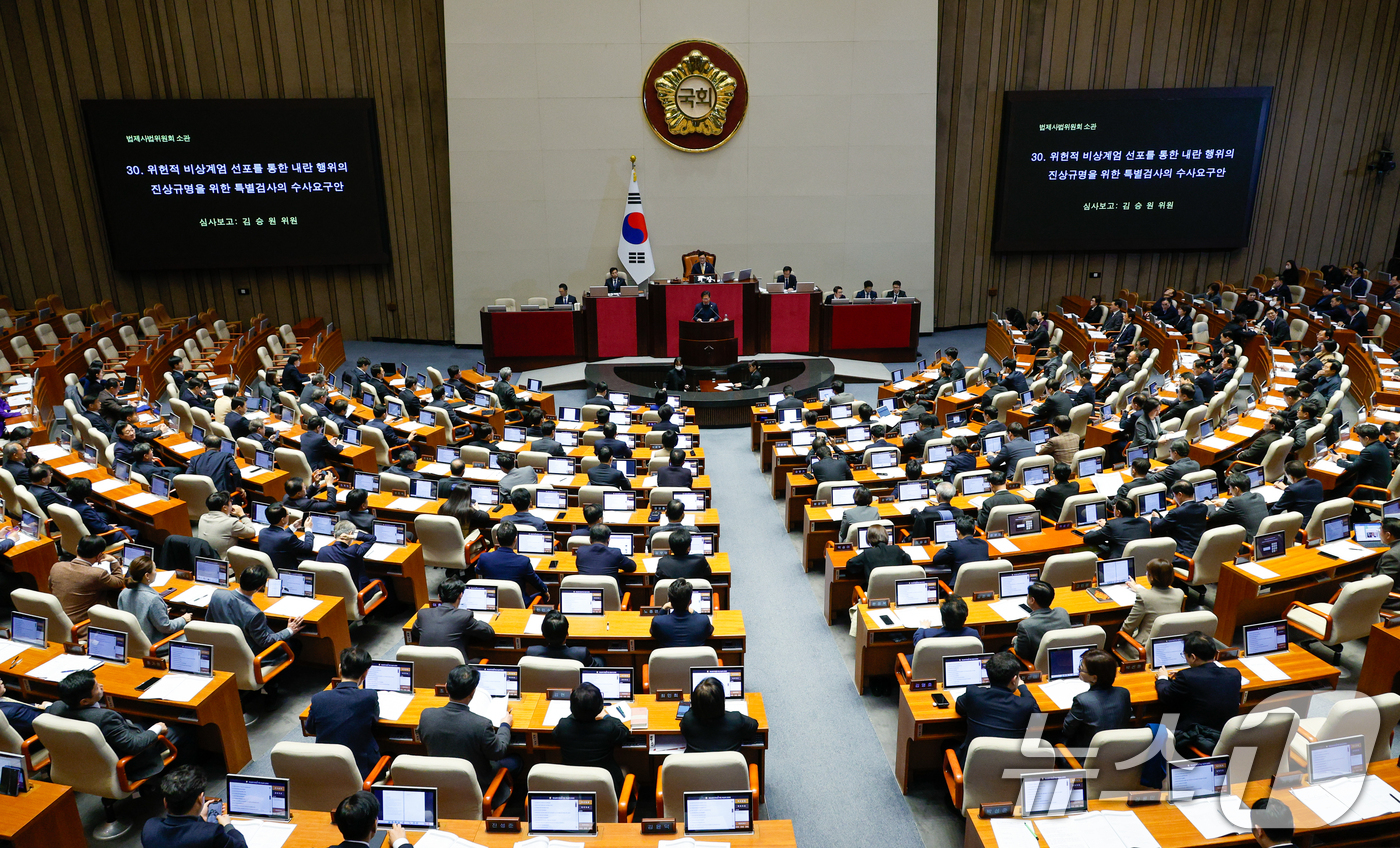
x: 634, y: 166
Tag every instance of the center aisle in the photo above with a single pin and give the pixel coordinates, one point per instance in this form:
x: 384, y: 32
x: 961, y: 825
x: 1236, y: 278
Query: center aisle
x: 826, y: 769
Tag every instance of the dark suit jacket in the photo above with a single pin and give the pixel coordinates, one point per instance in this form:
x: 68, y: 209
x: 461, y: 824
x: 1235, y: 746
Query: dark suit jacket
x: 1301, y: 497
x: 1186, y: 524
x: 1173, y: 472
x: 285, y: 548
x: 1113, y: 323
x: 673, y: 475
x: 1255, y: 452
x: 20, y: 472
x: 1033, y: 629
x: 578, y: 653
x: 1207, y: 694
x: 681, y: 629
x: 873, y: 557
x: 549, y: 446
x: 1095, y: 710
x: 619, y: 448
x: 218, y: 466
x: 688, y: 566
x: 727, y: 733
x: 607, y: 475
x: 1056, y: 403
x: 1372, y: 465
x: 189, y: 832
x: 960, y: 552
x: 1357, y: 323
x: 449, y: 627
x: 958, y: 463
x: 996, y: 712
x: 599, y: 559
x: 1117, y: 533
x: 293, y: 380
x: 614, y: 284
x: 592, y: 743
x: 1051, y: 499
x: 1246, y: 510
x: 1001, y: 498
x: 391, y: 436
x: 827, y: 470
x: 506, y: 564
x: 345, y: 715
x: 318, y: 449
x: 126, y: 738
x: 505, y: 393
x: 455, y: 731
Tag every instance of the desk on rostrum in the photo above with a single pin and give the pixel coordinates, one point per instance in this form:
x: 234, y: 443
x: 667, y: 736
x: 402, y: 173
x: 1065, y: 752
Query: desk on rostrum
x: 315, y: 830
x: 622, y: 639
x: 876, y: 648
x: 925, y: 729
x: 531, y: 737
x: 216, y: 712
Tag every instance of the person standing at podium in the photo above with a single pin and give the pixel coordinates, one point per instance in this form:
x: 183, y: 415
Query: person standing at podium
x: 614, y: 281
x: 787, y: 278
x: 566, y: 298
x: 705, y: 311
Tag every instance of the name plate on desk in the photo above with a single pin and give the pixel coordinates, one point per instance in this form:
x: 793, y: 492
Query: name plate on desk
x: 878, y: 603
x: 1064, y: 525
x: 843, y: 546
x: 995, y: 811
x: 1134, y: 665
x: 503, y: 825
x: 655, y: 827
x: 1030, y: 677
x: 155, y: 663
x: 1143, y: 799
x: 647, y: 612
x: 541, y: 609
x: 668, y: 694
x: 984, y: 596
x: 557, y: 694
x: 1081, y: 585
x: 923, y: 685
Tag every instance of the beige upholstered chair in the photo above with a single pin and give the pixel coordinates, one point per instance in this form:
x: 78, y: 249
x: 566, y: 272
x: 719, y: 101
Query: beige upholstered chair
x: 927, y: 662
x: 1064, y: 570
x: 335, y: 579
x: 508, y: 594
x: 60, y: 627
x: 137, y: 645
x: 547, y: 777
x: 194, y: 490
x: 1109, y: 750
x: 538, y: 674
x: 81, y: 758
x: 669, y: 668
x: 1371, y: 716
x: 719, y: 772
x: 1217, y: 547
x: 993, y: 768
x: 232, y: 654
x: 1067, y: 637
x: 320, y: 775
x: 442, y: 541
x: 1262, y: 736
x: 976, y: 577
x: 1350, y: 614
x: 612, y: 599
x: 459, y: 792
x: 430, y: 665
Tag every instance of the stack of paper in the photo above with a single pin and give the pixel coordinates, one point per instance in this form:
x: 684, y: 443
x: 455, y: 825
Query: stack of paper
x: 1107, y: 484
x: 1208, y: 817
x: 1345, y: 550
x: 1263, y: 668
x: 1241, y: 430
x: 1014, y: 833
x: 443, y: 839
x: 834, y: 513
x: 48, y: 453
x: 546, y: 842
x: 382, y: 551
x: 161, y: 578
x: 264, y: 834
x: 188, y: 448
x: 1254, y: 569
x: 1004, y: 545
x: 63, y: 665
x: 1010, y: 609
x: 914, y: 617
x: 1062, y: 692
x: 292, y: 607
x: 493, y: 709
x: 1103, y: 828
x: 907, y: 507
x: 1216, y: 443
x: 195, y: 596
x: 917, y: 553
x: 392, y: 704
x: 9, y: 650
x: 1364, y: 798
x: 107, y: 484
x: 177, y: 687
x: 1327, y: 465
x: 409, y: 504
x: 533, y: 625
x: 1121, y: 594
x: 77, y: 468
x: 555, y: 711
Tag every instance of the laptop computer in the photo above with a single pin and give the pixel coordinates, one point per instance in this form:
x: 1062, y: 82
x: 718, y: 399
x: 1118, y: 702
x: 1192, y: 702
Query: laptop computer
x: 15, y: 762
x: 499, y: 681
x: 621, y: 542
x: 1269, y: 637
x: 483, y: 495
x: 390, y: 676
x: 1089, y: 466
x: 1151, y: 502
x: 1016, y: 584
x: 29, y: 629
x: 884, y: 459
x: 107, y: 645
x: 691, y: 501
x: 944, y: 532
x: 911, y: 490
x: 573, y: 813
x: 1039, y: 435
x: 614, y: 683
x: 937, y: 453
x: 1206, y: 490
x: 192, y: 658
x: 297, y: 584
x: 211, y: 571
x: 1167, y: 652
x: 1037, y: 476
x: 1087, y: 514
x: 1329, y: 759
x: 1023, y: 524
x: 719, y: 812
x: 581, y: 601
x: 422, y: 488
x: 962, y: 670
x: 1112, y: 572
x: 1336, y: 529
x: 1064, y: 662
x: 534, y: 543
x: 1369, y: 535
x: 1141, y: 452
x: 1054, y: 793
x: 408, y: 806
x: 479, y: 599
x: 257, y: 797
x: 1204, y: 777
x: 730, y: 677
x: 132, y: 552
x: 976, y: 484
x: 1270, y: 545
x: 915, y: 593
x: 992, y: 444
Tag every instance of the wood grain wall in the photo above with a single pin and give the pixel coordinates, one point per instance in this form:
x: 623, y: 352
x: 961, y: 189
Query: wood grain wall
x: 55, y: 53
x: 1336, y: 95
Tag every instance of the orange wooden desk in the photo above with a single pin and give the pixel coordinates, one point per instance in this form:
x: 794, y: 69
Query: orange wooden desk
x: 44, y: 817
x: 1304, y: 574
x: 327, y: 630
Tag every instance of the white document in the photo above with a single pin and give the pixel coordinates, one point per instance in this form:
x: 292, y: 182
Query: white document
x: 1241, y: 430
x: 1216, y: 443
x: 904, y: 384
x: 963, y: 396
x: 443, y: 839
x: 914, y: 617
x: 1327, y: 465
x: 533, y: 625
x: 1013, y: 833
x: 1254, y: 569
x: 1320, y: 801
x: 161, y: 578
x: 978, y: 500
x: 107, y: 485
x: 48, y: 453
x: 854, y: 447
x: 1346, y: 550
x: 392, y: 704
x: 1263, y: 668
x: 278, y: 426
x: 1206, y: 816
x: 291, y: 607
x: 177, y: 687
x: 1271, y: 494
x: 188, y: 448
x: 436, y: 469
x: 885, y: 619
x: 1351, y: 444
x: 556, y: 711
x: 1129, y: 829
x: 639, y: 718
x: 617, y: 517
x: 1004, y: 545
x: 1107, y: 484
x: 835, y: 513
x: 1376, y: 413
x: 513, y: 447
x: 264, y: 834
x: 649, y: 564
x: 907, y: 507
x: 381, y: 551
x: 556, y: 481
x: 487, y: 475
x: 1010, y: 609
x: 9, y: 650
x: 917, y: 553
x: 63, y: 665
x: 958, y: 431
x: 492, y: 709
x: 409, y: 504
x: 250, y: 472
x: 138, y: 500
x: 1121, y: 594
x: 1062, y: 692
x: 78, y: 468
x: 195, y: 596
x: 848, y: 421
x: 1374, y: 798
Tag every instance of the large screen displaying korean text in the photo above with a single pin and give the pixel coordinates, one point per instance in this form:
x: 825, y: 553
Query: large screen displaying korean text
x: 238, y: 183
x: 1129, y: 170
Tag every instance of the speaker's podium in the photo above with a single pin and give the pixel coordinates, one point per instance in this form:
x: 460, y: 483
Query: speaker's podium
x: 709, y: 344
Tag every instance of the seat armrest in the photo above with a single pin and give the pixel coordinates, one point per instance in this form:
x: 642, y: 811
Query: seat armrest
x: 660, y: 797
x: 952, y: 776
x: 167, y: 757
x: 626, y: 600
x: 367, y: 593
x: 754, y: 786
x: 902, y: 670
x: 1303, y: 732
x: 167, y: 640
x: 858, y: 596
x: 1028, y: 665
x: 27, y: 748
x: 80, y: 626
x: 1068, y: 756
x: 1315, y: 611
x: 627, y: 799
x: 375, y: 772
x: 1137, y: 646
x: 283, y: 666
x: 646, y: 677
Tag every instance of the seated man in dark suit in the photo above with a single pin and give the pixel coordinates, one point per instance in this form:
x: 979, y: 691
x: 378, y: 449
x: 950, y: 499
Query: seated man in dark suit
x: 555, y: 630
x: 81, y: 698
x: 391, y: 436
x: 614, y: 281
x: 867, y: 291
x: 1303, y: 493
x: 961, y: 460
x: 357, y: 819
x: 1356, y: 321
x: 1002, y: 709
x: 829, y: 468
x: 219, y: 467
x: 454, y: 730
x: 668, y: 419
x: 1050, y: 500
x: 968, y: 547
x: 597, y: 558
x: 1111, y: 536
x: 504, y: 563
x: 897, y: 291
x: 186, y: 821
x: 346, y: 713
x: 1371, y: 467
x: 1043, y: 619
x: 915, y: 445
x: 702, y: 267
x: 281, y: 543
x: 879, y: 554
x: 675, y: 474
x: 615, y: 446
x: 564, y: 296
x: 1206, y: 694
x: 320, y: 450
x: 519, y: 499
x: 1185, y: 523
x: 787, y: 278
x: 604, y: 474
x: 1181, y: 465
x: 679, y: 627
x: 293, y: 381
x: 999, y: 497
x: 546, y: 443
x: 448, y: 626
x: 1242, y: 507
x: 953, y: 612
x: 681, y: 562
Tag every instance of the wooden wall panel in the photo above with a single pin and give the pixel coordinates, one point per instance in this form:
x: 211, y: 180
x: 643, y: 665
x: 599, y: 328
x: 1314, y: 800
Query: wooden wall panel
x: 55, y: 53
x: 1336, y: 96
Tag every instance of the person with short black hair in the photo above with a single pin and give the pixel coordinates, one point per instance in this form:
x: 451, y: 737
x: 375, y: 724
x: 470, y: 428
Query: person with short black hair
x: 515, y: 475
x: 709, y: 727
x: 1050, y: 500
x: 586, y: 737
x: 236, y: 607
x: 448, y: 625
x: 281, y: 543
x: 953, y: 613
x: 604, y: 473
x: 357, y: 510
x: 92, y: 577
x: 1371, y: 467
x: 1206, y: 694
x: 95, y: 520
x: 1002, y: 709
x: 861, y: 511
x: 453, y: 730
x: 675, y: 474
x: 675, y: 520
x: 503, y: 563
x: 519, y: 500
x: 1302, y: 494
x: 1186, y: 522
x: 1111, y: 536
x: 1271, y: 823
x: 1043, y: 619
x: 357, y: 819
x: 1103, y: 707
x: 555, y: 630
x: 1243, y: 507
x: 546, y: 443
x: 962, y: 459
x: 967, y: 547
x: 224, y: 524
x: 999, y: 497
x: 878, y: 555
x: 185, y: 823
x: 346, y: 713
x: 679, y: 627
x: 1389, y: 563
x: 80, y: 697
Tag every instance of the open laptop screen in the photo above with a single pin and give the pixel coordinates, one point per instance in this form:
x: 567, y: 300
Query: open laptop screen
x: 1270, y: 637
x: 1064, y: 662
x: 1053, y: 793
x: 581, y: 601
x: 1332, y: 758
x: 912, y: 593
x: 1168, y: 652
x: 387, y: 676
x: 1199, y: 778
x: 965, y: 670
x: 1016, y: 584
x: 1115, y: 571
x: 1269, y: 545
x: 564, y: 812
x: 719, y: 812
x: 258, y: 797
x: 730, y: 677
x: 499, y: 681
x: 614, y: 683
x: 410, y: 806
